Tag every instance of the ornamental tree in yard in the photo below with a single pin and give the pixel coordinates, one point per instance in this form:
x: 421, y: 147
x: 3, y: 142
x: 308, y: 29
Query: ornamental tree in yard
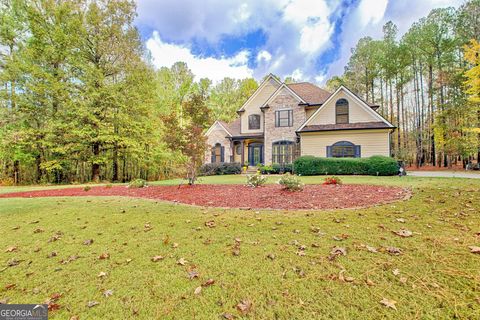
x: 184, y: 132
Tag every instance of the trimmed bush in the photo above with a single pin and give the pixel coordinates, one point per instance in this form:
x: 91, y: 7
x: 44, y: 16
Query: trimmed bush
x: 275, y: 168
x: 291, y: 182
x: 375, y: 165
x: 211, y: 169
x: 137, y: 183
x: 256, y: 180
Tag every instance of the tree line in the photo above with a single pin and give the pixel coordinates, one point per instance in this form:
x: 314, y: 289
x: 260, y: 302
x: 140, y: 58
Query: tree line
x: 424, y: 84
x: 80, y: 100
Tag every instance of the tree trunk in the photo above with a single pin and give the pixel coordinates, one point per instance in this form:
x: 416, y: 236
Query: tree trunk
x: 430, y: 93
x: 115, y: 162
x: 95, y: 164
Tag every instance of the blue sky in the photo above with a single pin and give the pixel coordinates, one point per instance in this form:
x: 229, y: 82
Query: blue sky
x: 310, y: 40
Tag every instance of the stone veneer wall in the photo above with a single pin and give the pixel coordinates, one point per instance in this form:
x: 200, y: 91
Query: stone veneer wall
x: 282, y: 101
x: 218, y: 135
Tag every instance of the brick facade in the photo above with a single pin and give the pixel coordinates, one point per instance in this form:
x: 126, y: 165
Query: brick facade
x: 283, y: 101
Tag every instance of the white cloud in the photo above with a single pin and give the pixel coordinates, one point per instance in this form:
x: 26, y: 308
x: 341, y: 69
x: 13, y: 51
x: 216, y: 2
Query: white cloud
x: 371, y: 11
x: 296, y: 32
x: 264, y: 56
x: 166, y: 54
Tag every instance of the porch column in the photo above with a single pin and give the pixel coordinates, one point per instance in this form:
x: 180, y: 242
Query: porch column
x: 243, y: 152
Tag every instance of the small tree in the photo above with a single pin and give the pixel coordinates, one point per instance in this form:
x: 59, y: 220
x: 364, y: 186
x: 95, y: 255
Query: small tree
x: 184, y: 133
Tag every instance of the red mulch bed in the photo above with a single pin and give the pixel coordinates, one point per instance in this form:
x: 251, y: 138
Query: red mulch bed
x: 238, y: 196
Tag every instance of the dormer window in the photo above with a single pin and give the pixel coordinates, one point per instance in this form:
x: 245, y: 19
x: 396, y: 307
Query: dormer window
x: 254, y: 122
x: 341, y: 111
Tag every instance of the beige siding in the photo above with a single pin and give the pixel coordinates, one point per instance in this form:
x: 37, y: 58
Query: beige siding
x: 372, y: 142
x: 357, y: 113
x: 253, y: 106
x: 310, y: 112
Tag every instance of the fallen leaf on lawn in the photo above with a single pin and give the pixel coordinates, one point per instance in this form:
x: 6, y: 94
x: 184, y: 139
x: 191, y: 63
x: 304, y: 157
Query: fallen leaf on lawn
x: 92, y: 303
x: 236, y: 249
x: 53, y: 306
x: 166, y: 240
x: 369, y: 282
x: 104, y: 256
x: 182, y: 261
x: 147, y: 227
x: 404, y: 233
x: 55, y: 296
x: 102, y: 274
x: 88, y: 242
x: 227, y: 316
x: 10, y: 286
x: 193, y: 274
x: 4, y: 301
x: 474, y: 249
x: 174, y: 245
x: 11, y: 249
x: 55, y: 237
x: 394, y: 251
x: 207, y: 283
x: 371, y: 249
x: 396, y: 272
x: 337, y: 251
x: 244, y: 306
x: 198, y: 290
x: 300, y: 253
x: 271, y: 256
x: 128, y: 260
x: 107, y: 293
x: 38, y: 230
x: 52, y: 254
x: 389, y: 303
x: 13, y: 262
x: 400, y: 220
x: 157, y: 258
x: 296, y: 231
x: 74, y: 318
x: 69, y: 259
x: 210, y: 224
x: 403, y: 280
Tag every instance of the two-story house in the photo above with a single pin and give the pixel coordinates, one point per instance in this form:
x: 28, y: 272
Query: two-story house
x: 280, y: 122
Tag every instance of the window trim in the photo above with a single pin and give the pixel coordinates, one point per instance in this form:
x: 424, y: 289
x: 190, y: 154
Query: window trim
x: 277, y: 154
x: 347, y: 113
x: 256, y: 116
x: 289, y: 118
x: 357, y: 149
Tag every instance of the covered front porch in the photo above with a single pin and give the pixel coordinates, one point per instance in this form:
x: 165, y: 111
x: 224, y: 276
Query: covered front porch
x: 248, y: 150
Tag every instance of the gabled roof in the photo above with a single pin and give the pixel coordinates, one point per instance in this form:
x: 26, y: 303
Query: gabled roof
x: 222, y: 124
x: 362, y: 103
x: 233, y: 127
x: 346, y: 126
x: 309, y: 92
x: 260, y: 87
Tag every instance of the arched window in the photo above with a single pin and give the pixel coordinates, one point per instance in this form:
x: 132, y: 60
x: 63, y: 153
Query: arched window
x: 282, y: 152
x: 341, y: 111
x: 343, y: 149
x: 254, y: 122
x: 218, y: 153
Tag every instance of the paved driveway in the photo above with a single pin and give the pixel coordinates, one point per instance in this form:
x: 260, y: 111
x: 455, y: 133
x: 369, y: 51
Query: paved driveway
x: 445, y: 174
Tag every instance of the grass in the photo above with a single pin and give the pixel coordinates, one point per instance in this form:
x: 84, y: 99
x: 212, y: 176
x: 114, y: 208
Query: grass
x: 442, y: 278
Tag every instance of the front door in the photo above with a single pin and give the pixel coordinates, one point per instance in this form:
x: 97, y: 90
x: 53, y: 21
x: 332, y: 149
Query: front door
x: 255, y: 154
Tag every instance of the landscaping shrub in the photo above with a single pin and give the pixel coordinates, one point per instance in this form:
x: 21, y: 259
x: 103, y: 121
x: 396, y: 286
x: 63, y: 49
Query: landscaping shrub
x: 382, y: 166
x: 87, y: 188
x: 332, y: 180
x: 211, y: 169
x: 291, y: 182
x: 137, y: 183
x: 275, y: 168
x: 375, y: 165
x: 256, y: 180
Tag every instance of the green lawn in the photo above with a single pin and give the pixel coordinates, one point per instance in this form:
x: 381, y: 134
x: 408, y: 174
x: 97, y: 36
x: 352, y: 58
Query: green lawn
x: 437, y: 276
